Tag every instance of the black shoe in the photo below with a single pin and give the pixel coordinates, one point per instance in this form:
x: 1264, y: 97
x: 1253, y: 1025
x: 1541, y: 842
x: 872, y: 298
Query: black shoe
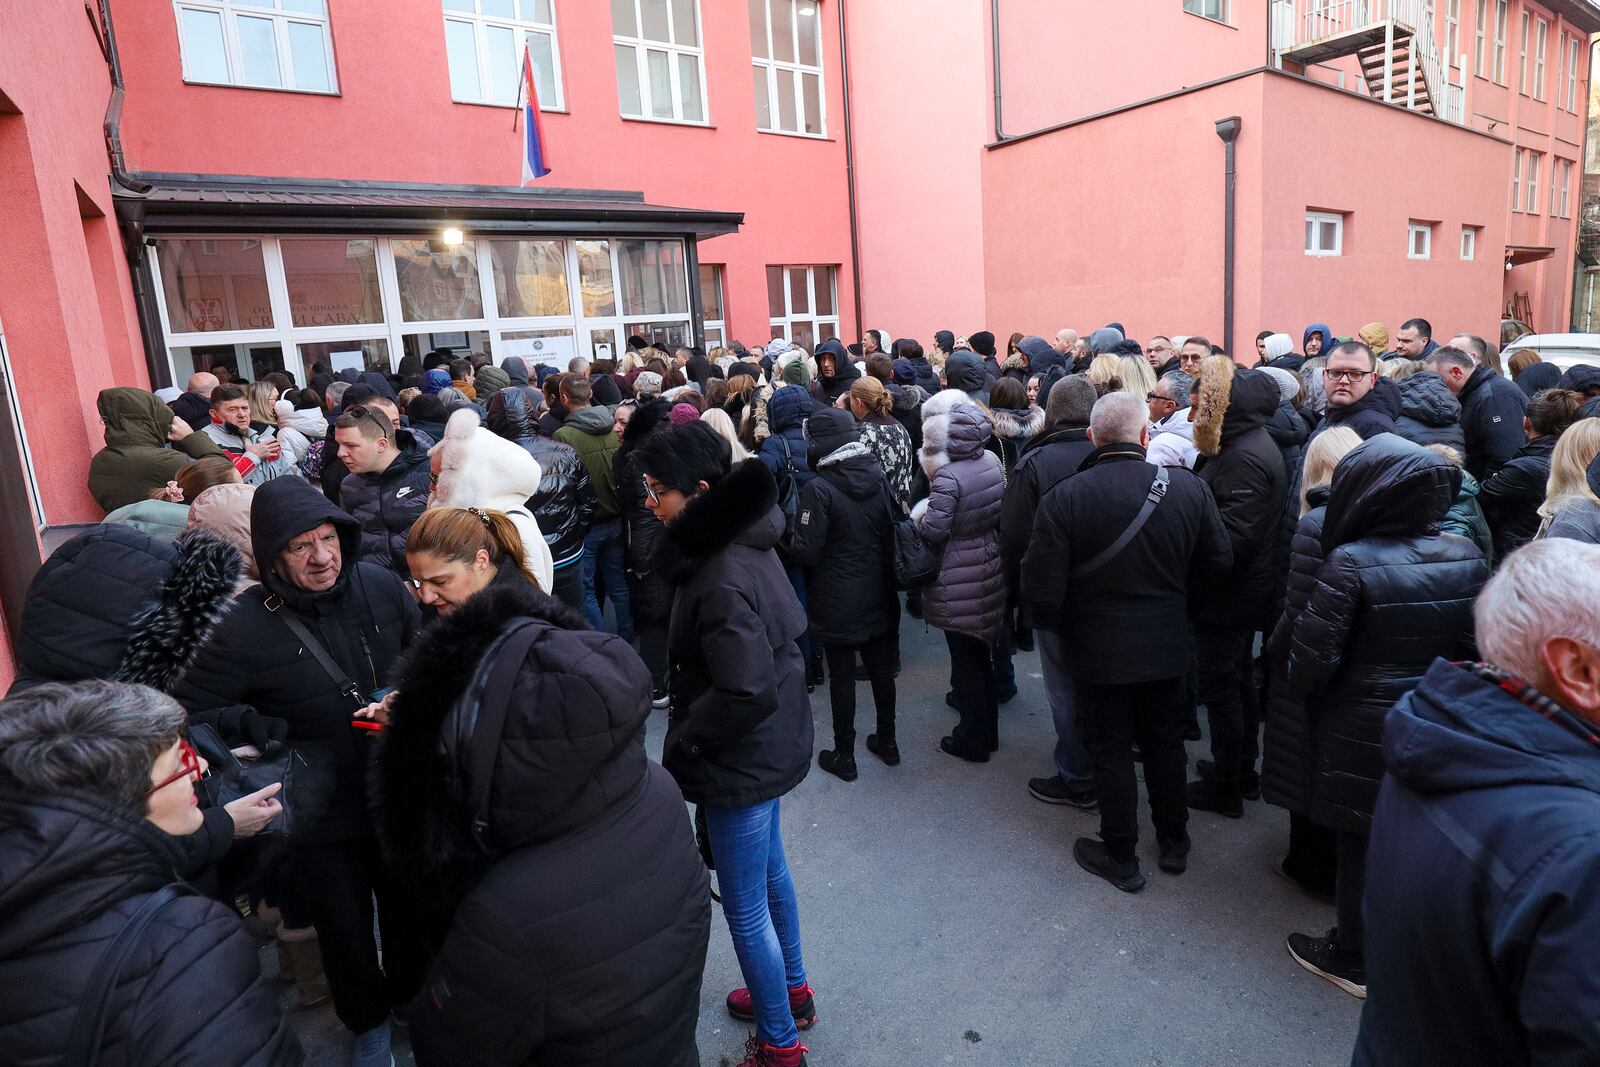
x: 1053, y: 790
x: 660, y: 698
x: 950, y: 700
x: 1093, y: 857
x: 1174, y: 854
x: 1321, y: 894
x: 1007, y: 695
x: 887, y: 751
x: 1323, y: 958
x: 1023, y: 640
x: 1191, y: 732
x: 1249, y: 780
x: 1208, y: 795
x: 914, y: 607
x: 949, y: 747
x: 840, y: 764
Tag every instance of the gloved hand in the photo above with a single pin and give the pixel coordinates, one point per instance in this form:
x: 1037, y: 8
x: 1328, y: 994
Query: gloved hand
x: 263, y: 731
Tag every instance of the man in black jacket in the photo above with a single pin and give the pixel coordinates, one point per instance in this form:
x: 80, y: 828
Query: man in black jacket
x: 1241, y: 464
x: 254, y: 667
x: 1358, y: 397
x: 1114, y: 550
x: 1511, y: 497
x: 1491, y: 410
x: 388, y: 484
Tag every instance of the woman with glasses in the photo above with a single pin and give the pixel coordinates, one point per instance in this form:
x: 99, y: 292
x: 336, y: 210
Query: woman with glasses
x: 97, y: 797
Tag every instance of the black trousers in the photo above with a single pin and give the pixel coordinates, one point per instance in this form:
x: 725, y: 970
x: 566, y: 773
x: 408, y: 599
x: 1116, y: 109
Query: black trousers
x: 1227, y: 689
x: 1313, y: 858
x: 336, y: 885
x: 653, y: 648
x: 1112, y: 718
x: 1350, y: 885
x: 878, y: 657
x: 977, y: 695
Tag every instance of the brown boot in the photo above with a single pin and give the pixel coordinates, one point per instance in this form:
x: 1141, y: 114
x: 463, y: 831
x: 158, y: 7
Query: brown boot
x: 300, y: 950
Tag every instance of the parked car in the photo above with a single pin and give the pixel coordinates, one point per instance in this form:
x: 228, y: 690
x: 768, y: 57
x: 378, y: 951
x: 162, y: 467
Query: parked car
x: 1565, y: 350
x: 1511, y: 329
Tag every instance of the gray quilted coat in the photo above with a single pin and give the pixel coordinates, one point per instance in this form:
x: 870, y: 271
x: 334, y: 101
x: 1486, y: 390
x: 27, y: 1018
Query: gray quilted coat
x: 961, y: 517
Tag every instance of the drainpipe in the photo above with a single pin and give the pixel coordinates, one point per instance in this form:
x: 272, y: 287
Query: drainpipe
x: 994, y: 36
x: 850, y: 176
x: 1228, y: 130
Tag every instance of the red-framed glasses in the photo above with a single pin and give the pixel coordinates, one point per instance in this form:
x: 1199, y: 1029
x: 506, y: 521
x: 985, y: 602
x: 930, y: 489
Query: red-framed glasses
x: 188, y: 767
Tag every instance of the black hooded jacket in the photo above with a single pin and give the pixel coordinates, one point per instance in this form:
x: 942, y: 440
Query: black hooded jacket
x: 965, y: 372
x: 1247, y: 478
x: 1511, y: 497
x: 740, y: 730
x: 1373, y: 414
x: 1491, y: 414
x: 650, y: 597
x: 1429, y: 414
x: 845, y: 373
x: 516, y: 369
x: 574, y: 930
x: 1392, y: 595
x: 564, y: 504
x: 252, y: 659
x: 839, y: 533
x: 75, y: 869
x: 387, y: 502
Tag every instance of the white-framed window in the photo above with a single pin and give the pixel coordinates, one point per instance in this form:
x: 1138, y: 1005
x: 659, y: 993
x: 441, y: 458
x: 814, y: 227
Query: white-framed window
x: 661, y: 66
x: 1516, y: 179
x: 1452, y: 33
x: 484, y: 41
x: 1480, y: 29
x: 1469, y: 243
x: 713, y: 313
x: 1522, y: 52
x: 1560, y: 206
x: 1535, y: 159
x: 802, y: 304
x: 1324, y: 233
x: 786, y: 62
x: 257, y: 44
x: 1419, y: 240
x: 1541, y: 43
x: 1572, y: 73
x: 1502, y: 16
x: 1215, y: 10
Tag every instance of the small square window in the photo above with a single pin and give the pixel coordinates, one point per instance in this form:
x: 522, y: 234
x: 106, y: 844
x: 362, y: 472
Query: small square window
x: 1469, y: 243
x: 1419, y: 243
x: 1324, y: 234
x: 1215, y: 10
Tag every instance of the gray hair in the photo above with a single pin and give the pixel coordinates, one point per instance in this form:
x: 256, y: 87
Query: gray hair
x: 1118, y: 418
x: 100, y: 737
x: 577, y: 365
x: 335, y: 394
x: 1176, y: 386
x: 1445, y: 355
x: 452, y: 398
x: 1548, y: 588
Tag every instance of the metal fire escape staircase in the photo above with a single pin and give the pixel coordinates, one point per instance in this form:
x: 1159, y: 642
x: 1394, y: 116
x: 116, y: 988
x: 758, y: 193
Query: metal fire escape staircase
x: 1391, y: 40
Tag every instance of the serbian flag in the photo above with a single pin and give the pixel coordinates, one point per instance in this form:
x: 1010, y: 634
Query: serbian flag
x: 534, y: 166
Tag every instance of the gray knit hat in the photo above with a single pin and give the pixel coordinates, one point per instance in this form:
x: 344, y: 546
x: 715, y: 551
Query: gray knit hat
x: 1071, y: 400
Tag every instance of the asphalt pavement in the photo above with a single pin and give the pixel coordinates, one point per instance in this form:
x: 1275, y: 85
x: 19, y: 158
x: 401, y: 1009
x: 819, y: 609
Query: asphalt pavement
x: 944, y: 920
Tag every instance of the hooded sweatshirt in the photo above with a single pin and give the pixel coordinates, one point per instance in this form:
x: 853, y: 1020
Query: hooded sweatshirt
x: 591, y: 432
x: 845, y: 373
x: 515, y: 369
x: 1313, y: 330
x: 136, y: 459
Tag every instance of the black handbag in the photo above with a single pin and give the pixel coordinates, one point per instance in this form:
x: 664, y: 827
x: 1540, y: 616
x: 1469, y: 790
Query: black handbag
x: 912, y: 561
x: 230, y: 778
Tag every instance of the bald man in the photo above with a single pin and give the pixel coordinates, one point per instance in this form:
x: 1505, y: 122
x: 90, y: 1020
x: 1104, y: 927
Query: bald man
x: 1064, y: 341
x: 194, y: 404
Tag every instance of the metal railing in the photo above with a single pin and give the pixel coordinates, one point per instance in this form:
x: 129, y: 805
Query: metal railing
x: 1298, y: 23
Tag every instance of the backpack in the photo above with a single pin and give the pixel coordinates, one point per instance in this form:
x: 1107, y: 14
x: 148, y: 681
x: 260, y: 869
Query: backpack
x: 788, y: 490
x: 311, y: 463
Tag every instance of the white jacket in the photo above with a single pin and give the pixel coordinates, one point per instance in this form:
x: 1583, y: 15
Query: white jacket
x: 297, y: 429
x: 1172, y: 441
x: 478, y: 469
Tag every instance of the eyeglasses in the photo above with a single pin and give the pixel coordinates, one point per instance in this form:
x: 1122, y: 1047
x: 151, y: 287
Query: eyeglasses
x: 1347, y: 375
x: 1153, y: 397
x: 188, y: 767
x: 651, y: 493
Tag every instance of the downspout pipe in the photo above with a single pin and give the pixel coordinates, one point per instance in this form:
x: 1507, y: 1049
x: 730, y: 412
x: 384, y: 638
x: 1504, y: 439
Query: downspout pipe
x: 1228, y: 130
x: 994, y: 40
x: 850, y: 176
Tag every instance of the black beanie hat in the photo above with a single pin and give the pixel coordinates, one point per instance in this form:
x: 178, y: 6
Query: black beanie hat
x: 829, y: 428
x: 982, y: 342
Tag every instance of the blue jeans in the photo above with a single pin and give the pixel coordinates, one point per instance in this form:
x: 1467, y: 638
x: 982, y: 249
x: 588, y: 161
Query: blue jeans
x: 763, y: 917
x: 1072, y: 758
x: 604, y: 576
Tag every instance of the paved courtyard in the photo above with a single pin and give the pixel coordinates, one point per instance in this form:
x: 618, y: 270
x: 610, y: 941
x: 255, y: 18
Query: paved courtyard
x: 945, y: 922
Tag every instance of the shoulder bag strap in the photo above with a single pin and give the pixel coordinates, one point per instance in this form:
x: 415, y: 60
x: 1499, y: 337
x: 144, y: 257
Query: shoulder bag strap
x: 348, y: 688
x: 788, y: 457
x: 89, y: 1022
x: 1158, y: 490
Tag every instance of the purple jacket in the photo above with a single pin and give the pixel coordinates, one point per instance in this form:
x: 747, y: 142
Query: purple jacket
x: 962, y: 517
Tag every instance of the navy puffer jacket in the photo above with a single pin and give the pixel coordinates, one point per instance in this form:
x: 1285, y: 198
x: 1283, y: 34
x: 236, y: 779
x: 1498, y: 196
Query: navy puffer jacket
x: 787, y: 410
x: 387, y: 502
x: 961, y: 517
x: 1430, y: 414
x: 1392, y: 594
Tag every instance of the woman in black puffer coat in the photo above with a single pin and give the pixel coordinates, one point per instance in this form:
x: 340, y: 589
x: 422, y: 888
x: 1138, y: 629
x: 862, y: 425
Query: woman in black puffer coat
x: 839, y: 536
x: 571, y: 909
x: 565, y: 501
x: 650, y: 595
x: 1392, y: 595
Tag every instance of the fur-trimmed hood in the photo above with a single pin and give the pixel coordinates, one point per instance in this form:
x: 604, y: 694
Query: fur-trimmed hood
x: 1231, y: 401
x: 953, y: 427
x: 1017, y: 424
x: 741, y: 508
x: 479, y: 469
x: 571, y: 748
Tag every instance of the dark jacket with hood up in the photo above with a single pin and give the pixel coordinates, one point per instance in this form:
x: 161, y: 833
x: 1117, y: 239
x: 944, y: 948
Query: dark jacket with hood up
x: 75, y: 869
x: 927, y: 377
x: 1054, y: 454
x: 1241, y: 464
x: 1512, y: 495
x: 1429, y: 414
x: 574, y: 929
x: 845, y: 373
x: 1373, y: 414
x: 387, y: 502
x: 785, y: 447
x: 252, y: 660
x: 740, y: 730
x: 965, y: 371
x: 1491, y: 415
x: 1392, y: 594
x: 650, y: 597
x: 564, y: 504
x: 136, y: 460
x: 1480, y: 904
x: 839, y: 534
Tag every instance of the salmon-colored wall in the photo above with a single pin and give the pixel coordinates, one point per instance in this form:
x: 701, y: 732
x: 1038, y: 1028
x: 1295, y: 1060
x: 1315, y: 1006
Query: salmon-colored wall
x: 920, y: 93
x: 394, y: 121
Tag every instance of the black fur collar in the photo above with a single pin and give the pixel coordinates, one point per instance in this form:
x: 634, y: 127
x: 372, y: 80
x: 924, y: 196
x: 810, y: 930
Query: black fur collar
x: 711, y: 521
x: 419, y: 823
x: 164, y: 637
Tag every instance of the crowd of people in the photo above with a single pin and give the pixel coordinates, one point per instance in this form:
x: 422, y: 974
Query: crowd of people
x: 372, y: 659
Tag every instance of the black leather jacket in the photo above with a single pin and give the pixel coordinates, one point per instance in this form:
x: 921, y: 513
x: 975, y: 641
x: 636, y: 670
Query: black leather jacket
x: 564, y: 504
